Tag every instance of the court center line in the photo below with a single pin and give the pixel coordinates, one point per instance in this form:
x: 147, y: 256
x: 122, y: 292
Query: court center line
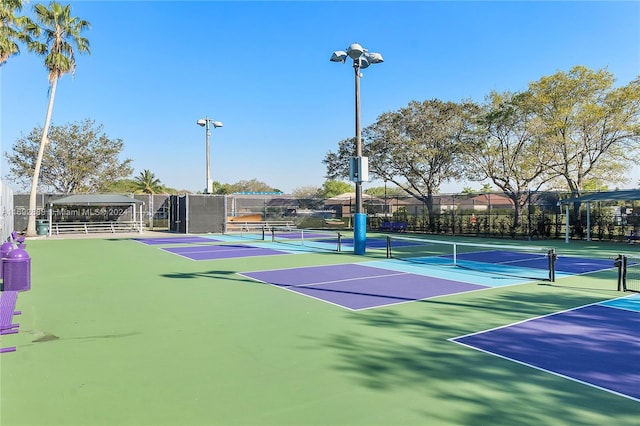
x: 348, y: 279
x: 216, y: 251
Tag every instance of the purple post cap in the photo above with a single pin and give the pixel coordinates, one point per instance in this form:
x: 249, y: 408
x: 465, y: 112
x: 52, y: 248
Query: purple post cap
x: 6, y: 248
x: 19, y: 253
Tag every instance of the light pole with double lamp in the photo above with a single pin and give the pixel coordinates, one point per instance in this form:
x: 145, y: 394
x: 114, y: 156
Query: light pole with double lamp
x: 206, y: 122
x: 358, y: 166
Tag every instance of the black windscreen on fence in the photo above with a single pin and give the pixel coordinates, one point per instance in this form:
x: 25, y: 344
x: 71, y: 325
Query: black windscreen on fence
x: 205, y: 214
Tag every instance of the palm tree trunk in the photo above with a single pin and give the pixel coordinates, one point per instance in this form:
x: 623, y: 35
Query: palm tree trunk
x: 31, y: 223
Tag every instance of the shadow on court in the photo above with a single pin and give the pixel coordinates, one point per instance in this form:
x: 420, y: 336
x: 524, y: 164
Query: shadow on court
x: 393, y: 349
x: 218, y: 274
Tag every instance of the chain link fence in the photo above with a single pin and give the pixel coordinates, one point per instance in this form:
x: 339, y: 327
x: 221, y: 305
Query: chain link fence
x: 527, y: 215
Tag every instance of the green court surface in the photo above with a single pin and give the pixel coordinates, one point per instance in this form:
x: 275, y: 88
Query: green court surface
x: 115, y: 332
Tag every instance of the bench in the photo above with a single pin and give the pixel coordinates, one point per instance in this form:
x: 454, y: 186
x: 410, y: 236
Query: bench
x: 88, y: 227
x: 259, y: 225
x: 7, y: 311
x: 334, y: 223
x: 633, y: 236
x: 393, y: 226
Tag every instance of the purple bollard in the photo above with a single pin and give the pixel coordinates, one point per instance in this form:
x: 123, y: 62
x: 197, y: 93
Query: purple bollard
x: 5, y: 248
x: 16, y: 270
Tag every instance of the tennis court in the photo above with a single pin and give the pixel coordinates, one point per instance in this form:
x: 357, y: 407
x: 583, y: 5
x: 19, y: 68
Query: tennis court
x: 381, y: 283
x: 356, y: 286
x: 119, y: 331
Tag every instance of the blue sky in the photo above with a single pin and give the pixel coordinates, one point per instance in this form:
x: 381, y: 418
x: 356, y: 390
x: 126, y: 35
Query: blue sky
x: 262, y: 68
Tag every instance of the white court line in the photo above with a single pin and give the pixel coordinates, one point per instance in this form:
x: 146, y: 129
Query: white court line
x: 454, y: 340
x: 311, y: 284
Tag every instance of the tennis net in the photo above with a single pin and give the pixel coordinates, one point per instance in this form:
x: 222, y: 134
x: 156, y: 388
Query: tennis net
x: 247, y: 234
x: 307, y: 238
x: 510, y: 260
x: 630, y: 273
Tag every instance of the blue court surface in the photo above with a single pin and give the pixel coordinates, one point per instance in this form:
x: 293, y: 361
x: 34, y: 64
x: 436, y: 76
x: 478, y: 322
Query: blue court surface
x: 597, y: 345
x: 486, y: 275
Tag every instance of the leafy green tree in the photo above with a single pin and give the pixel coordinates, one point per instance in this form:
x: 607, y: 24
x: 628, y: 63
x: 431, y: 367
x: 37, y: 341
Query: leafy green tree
x: 306, y: 192
x: 308, y: 197
x: 592, y: 127
x: 120, y: 186
x: 62, y: 33
x: 594, y: 185
x: 417, y: 148
x: 14, y: 29
x: 332, y: 188
x: 147, y: 183
x: 510, y: 151
x: 252, y: 185
x: 381, y: 191
x: 130, y: 186
x: 78, y: 158
x: 486, y: 188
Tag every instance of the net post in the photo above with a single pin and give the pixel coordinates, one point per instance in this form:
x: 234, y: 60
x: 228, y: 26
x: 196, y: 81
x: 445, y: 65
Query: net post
x: 552, y: 256
x: 263, y: 236
x: 624, y: 273
x: 455, y: 254
x: 302, y: 236
x: 388, y: 247
x: 339, y: 242
x: 273, y: 234
x: 618, y: 264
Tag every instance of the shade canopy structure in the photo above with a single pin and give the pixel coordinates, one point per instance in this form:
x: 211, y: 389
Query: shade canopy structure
x: 622, y: 195
x: 97, y: 200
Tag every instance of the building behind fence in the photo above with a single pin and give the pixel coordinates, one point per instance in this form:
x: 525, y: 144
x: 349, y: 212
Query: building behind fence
x: 485, y: 215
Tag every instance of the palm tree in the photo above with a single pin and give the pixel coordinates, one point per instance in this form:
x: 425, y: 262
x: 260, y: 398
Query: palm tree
x: 62, y: 33
x: 148, y: 183
x: 14, y: 29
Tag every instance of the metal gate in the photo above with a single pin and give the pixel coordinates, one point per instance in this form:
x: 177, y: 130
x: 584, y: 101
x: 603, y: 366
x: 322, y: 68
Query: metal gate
x: 178, y: 214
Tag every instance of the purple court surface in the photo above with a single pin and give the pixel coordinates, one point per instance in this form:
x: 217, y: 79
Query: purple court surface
x: 596, y: 345
x: 226, y: 251
x: 175, y: 240
x: 564, y: 264
x: 360, y: 287
x: 580, y: 265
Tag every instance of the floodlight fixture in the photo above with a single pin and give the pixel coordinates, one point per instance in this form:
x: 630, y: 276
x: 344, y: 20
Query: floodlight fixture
x: 375, y: 58
x: 339, y: 56
x: 355, y: 51
x: 363, y: 62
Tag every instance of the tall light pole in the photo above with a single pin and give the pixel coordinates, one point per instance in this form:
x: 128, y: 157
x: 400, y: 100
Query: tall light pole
x: 204, y: 122
x: 358, y: 169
